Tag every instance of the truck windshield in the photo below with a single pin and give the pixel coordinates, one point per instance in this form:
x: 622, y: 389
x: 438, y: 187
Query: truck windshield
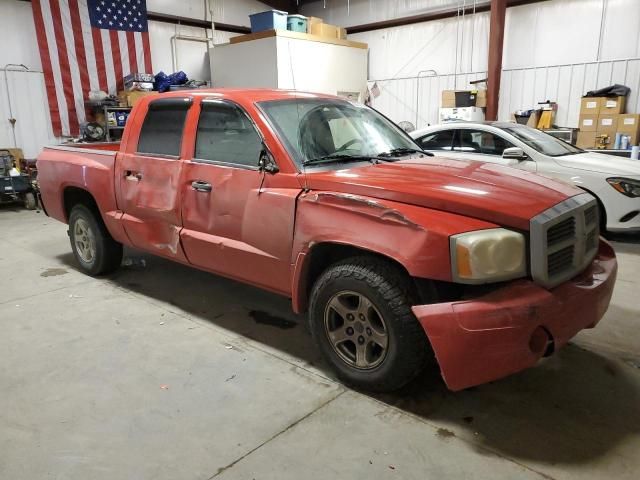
x: 318, y: 128
x: 542, y: 142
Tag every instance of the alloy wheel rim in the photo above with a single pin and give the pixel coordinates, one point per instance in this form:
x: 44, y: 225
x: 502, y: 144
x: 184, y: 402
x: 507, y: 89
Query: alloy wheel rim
x: 84, y: 240
x: 356, y: 330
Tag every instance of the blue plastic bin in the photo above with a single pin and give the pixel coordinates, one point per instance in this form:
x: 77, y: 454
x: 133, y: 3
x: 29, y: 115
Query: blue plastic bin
x: 297, y: 23
x: 269, y: 20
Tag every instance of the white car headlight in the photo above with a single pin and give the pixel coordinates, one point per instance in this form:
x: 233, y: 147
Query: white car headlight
x: 486, y: 256
x: 626, y: 186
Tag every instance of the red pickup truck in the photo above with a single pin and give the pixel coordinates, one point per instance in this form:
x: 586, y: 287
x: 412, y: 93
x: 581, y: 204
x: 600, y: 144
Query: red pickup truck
x: 398, y: 258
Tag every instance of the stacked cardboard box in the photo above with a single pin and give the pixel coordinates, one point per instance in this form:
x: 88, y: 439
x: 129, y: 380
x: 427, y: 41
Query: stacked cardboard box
x: 629, y: 124
x: 464, y: 98
x: 601, y: 118
x: 129, y: 99
x: 315, y: 26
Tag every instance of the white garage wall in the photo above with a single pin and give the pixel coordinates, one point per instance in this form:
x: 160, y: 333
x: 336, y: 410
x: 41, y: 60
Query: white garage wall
x: 191, y: 56
x: 554, y: 50
x: 28, y: 96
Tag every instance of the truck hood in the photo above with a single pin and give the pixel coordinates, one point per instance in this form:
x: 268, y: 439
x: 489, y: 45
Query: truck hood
x: 494, y: 193
x: 601, y: 163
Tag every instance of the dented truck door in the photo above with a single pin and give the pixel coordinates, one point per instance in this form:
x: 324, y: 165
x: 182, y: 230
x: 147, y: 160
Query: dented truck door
x: 148, y: 175
x: 236, y: 222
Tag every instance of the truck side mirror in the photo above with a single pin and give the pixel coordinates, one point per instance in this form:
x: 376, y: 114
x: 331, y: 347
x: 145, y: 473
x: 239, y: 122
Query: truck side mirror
x: 266, y: 163
x: 514, y: 153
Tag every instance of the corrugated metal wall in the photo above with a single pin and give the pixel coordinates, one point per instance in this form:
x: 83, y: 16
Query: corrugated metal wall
x: 555, y: 50
x: 522, y: 87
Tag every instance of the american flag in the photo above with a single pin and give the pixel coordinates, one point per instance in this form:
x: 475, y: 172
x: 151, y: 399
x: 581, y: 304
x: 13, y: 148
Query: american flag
x: 88, y: 45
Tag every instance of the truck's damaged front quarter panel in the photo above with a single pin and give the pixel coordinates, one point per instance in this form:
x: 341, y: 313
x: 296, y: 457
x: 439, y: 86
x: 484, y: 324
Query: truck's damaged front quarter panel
x: 475, y: 340
x: 416, y: 237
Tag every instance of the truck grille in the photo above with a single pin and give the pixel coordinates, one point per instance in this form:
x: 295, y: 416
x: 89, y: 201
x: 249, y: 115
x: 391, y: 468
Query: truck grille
x: 564, y: 240
x: 561, y: 231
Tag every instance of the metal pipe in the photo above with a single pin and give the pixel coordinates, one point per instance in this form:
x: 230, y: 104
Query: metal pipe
x: 174, y: 50
x: 414, y: 77
x: 455, y: 62
x: 473, y: 34
x: 603, y: 17
x: 461, y: 21
x: 12, y: 120
x: 434, y: 74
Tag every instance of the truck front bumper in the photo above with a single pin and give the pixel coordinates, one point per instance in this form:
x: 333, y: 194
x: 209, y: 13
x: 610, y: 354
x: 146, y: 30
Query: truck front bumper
x: 510, y: 329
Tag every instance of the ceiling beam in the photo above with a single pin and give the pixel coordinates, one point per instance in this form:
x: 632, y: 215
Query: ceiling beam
x: 194, y: 22
x: 430, y: 16
x: 290, y: 6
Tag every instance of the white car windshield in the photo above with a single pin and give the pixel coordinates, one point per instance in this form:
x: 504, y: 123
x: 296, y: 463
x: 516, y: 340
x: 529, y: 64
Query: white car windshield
x: 542, y: 142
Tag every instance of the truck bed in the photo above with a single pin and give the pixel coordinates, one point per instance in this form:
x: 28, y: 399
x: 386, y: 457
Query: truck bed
x: 67, y: 169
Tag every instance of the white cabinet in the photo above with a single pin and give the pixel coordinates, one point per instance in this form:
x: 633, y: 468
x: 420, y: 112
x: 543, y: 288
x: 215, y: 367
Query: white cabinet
x: 468, y: 114
x: 291, y: 60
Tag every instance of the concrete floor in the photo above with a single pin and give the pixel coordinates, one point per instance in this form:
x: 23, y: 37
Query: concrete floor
x: 164, y: 372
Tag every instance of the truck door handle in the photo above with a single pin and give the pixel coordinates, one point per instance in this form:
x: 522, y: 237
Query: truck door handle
x: 201, y: 186
x: 133, y: 175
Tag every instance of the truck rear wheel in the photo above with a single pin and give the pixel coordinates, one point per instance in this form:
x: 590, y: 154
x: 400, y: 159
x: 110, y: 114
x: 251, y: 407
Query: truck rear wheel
x: 361, y: 319
x: 94, y: 248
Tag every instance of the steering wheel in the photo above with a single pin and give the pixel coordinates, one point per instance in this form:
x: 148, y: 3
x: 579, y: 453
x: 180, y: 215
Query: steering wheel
x: 348, y: 144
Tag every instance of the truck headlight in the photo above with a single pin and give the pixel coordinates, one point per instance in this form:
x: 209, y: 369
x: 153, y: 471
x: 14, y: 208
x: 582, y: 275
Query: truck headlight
x: 486, y: 256
x: 626, y: 186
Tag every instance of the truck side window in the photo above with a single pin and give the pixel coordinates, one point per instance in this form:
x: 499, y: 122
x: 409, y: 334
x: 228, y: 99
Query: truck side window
x: 437, y: 141
x: 225, y: 134
x: 161, y: 132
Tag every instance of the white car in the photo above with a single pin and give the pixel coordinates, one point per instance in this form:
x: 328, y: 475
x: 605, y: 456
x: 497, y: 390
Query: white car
x: 614, y: 181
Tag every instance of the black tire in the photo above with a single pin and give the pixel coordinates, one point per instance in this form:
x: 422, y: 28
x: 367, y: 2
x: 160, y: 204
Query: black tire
x: 107, y: 256
x: 30, y: 202
x: 390, y: 291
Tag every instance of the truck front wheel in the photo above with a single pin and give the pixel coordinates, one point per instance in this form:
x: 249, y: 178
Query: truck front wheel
x: 361, y: 319
x: 94, y: 248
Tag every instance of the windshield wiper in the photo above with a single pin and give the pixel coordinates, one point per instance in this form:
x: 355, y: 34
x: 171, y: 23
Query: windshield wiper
x: 341, y: 157
x: 398, y: 152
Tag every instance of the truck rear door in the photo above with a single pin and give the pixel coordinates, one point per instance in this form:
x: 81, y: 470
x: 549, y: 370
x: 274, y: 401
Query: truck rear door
x: 148, y: 175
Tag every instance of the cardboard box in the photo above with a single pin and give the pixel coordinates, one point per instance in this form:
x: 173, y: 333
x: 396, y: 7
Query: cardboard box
x: 612, y: 105
x: 588, y: 123
x: 129, y: 99
x: 586, y: 140
x: 313, y: 21
x: 590, y: 105
x: 448, y: 99
x: 324, y: 30
x: 479, y: 98
x: 607, y: 123
x: 629, y: 122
